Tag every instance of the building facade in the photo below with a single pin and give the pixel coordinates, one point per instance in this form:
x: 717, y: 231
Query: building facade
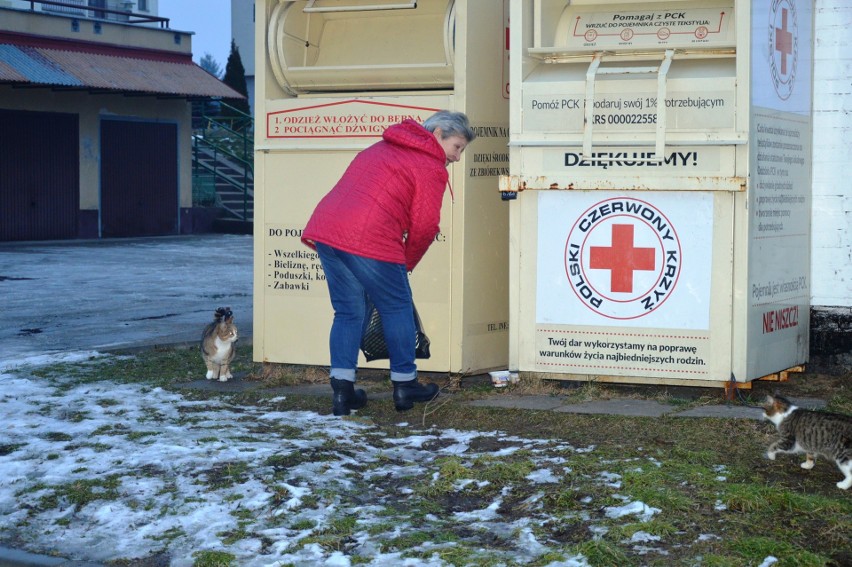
x: 95, y: 120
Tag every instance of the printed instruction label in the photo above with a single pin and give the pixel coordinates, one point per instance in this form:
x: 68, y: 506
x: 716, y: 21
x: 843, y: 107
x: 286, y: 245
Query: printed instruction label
x: 489, y: 157
x: 289, y: 266
x: 780, y: 219
x: 356, y: 118
x: 626, y: 110
x: 647, y: 354
x: 672, y: 27
x: 781, y: 185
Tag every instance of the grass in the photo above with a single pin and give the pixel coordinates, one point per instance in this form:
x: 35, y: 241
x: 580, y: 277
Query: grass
x: 333, y: 537
x: 213, y: 559
x: 721, y: 502
x: 225, y: 475
x: 599, y: 552
x: 9, y: 448
x: 81, y: 492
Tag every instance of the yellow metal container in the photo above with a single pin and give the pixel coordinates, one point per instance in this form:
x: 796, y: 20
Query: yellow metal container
x: 331, y: 76
x: 660, y: 169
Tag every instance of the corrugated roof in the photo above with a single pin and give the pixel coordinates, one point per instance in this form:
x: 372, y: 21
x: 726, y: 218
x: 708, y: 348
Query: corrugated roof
x: 67, y: 65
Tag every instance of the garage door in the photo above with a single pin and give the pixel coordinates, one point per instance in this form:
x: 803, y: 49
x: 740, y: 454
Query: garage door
x: 139, y: 179
x: 39, y: 175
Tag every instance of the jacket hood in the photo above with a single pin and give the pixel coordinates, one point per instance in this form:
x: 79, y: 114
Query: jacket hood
x: 411, y: 134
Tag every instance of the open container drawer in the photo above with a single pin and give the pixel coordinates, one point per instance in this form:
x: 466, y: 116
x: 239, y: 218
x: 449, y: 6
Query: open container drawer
x: 360, y: 45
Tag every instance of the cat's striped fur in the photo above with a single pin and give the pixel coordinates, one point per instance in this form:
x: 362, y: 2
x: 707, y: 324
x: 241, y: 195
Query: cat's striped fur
x: 813, y: 433
x: 217, y: 345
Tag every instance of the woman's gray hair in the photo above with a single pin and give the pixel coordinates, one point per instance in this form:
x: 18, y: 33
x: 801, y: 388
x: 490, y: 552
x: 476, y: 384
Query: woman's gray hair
x: 451, y: 124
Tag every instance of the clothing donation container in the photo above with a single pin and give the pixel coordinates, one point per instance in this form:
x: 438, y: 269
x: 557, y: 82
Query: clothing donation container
x: 660, y: 190
x: 331, y: 76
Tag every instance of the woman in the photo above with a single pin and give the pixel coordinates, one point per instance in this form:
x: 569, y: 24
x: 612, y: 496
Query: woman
x: 370, y: 230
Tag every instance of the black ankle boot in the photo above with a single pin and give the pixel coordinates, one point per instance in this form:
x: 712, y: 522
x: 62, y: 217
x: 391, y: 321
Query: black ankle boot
x: 406, y: 393
x: 346, y: 397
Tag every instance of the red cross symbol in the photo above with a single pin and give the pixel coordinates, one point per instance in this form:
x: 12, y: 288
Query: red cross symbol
x: 783, y: 41
x: 622, y: 258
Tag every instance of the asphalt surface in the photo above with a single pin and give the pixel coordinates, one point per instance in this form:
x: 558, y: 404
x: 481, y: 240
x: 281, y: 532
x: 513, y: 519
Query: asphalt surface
x: 104, y: 294
x: 76, y: 296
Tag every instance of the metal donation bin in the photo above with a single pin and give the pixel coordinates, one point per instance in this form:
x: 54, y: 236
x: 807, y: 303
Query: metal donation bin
x: 660, y: 184
x: 331, y: 76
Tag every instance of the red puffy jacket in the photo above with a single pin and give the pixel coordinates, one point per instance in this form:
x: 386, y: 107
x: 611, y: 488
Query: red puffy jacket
x: 387, y: 205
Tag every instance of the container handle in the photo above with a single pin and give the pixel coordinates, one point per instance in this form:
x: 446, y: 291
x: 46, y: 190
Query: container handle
x: 661, y: 103
x: 310, y: 8
x: 590, y: 103
x: 662, y: 71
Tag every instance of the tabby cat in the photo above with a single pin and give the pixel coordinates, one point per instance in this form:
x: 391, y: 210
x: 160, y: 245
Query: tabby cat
x: 812, y: 433
x: 217, y: 345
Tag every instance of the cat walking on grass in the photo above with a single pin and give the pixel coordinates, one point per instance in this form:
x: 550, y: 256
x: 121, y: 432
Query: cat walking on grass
x: 218, y: 345
x: 813, y: 433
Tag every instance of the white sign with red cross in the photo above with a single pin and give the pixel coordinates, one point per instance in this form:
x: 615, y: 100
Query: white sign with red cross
x: 782, y: 45
x: 624, y: 259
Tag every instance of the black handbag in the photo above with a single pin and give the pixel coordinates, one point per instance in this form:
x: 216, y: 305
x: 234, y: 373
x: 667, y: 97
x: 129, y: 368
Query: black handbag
x: 373, y: 343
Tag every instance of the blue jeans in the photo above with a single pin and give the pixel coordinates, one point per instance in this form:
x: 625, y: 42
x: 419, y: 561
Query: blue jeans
x: 350, y: 279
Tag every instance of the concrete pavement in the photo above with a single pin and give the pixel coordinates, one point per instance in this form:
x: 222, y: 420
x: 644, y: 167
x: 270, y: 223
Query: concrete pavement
x: 628, y: 407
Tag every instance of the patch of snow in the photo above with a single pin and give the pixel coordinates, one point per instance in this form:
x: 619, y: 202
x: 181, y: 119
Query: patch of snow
x: 641, y: 536
x: 635, y: 508
x: 543, y: 476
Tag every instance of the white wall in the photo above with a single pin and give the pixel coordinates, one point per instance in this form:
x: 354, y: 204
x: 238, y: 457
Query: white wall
x: 831, y: 248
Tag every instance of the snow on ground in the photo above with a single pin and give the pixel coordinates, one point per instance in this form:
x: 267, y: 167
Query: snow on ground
x: 107, y: 470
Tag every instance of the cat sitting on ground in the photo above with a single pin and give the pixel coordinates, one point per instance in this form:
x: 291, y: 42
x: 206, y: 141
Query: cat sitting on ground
x: 812, y: 433
x: 217, y: 345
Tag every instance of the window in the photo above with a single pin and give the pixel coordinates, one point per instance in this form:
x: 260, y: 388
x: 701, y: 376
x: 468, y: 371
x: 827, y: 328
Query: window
x: 97, y: 4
